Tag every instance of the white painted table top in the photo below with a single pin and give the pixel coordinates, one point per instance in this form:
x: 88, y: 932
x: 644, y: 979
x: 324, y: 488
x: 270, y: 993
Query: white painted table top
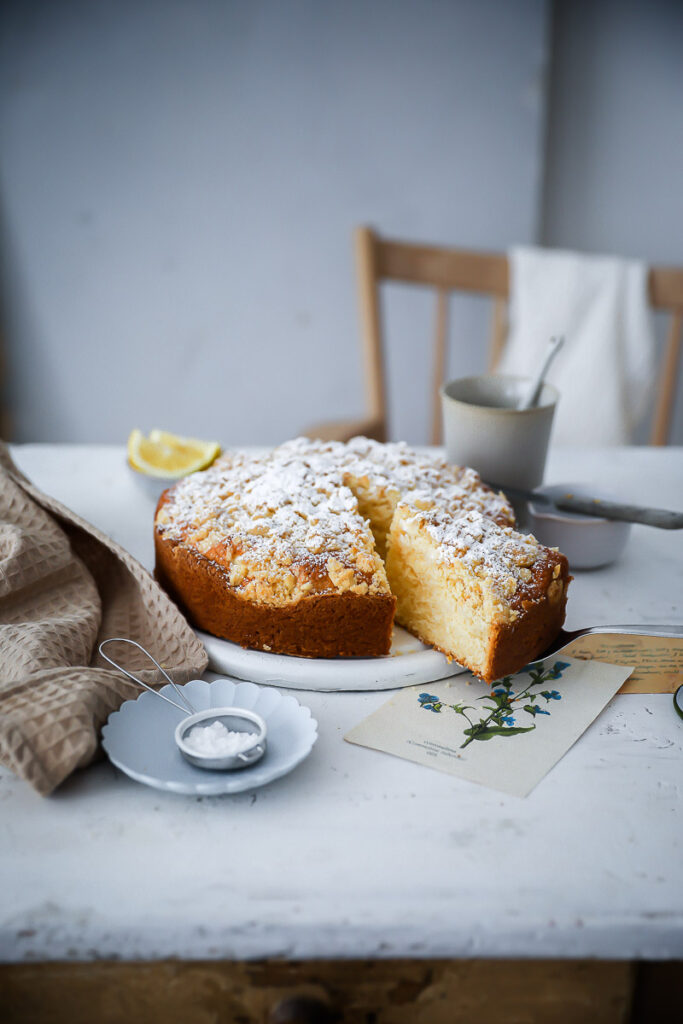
x: 356, y: 853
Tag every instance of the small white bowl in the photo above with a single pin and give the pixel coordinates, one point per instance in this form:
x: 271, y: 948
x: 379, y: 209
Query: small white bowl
x: 588, y: 541
x: 152, y: 486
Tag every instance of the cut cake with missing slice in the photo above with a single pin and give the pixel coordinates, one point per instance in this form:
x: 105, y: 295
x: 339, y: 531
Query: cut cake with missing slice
x: 285, y: 552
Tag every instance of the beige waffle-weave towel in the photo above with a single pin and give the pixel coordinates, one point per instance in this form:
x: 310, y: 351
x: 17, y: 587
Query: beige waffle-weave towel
x: 65, y: 587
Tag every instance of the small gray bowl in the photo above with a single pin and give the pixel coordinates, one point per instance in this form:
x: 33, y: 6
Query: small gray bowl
x: 589, y: 542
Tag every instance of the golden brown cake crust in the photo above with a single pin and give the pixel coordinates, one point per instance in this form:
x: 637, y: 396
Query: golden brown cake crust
x: 321, y: 626
x: 516, y: 644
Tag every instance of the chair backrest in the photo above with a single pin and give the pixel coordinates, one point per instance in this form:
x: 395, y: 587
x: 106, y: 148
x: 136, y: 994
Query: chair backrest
x: 450, y: 270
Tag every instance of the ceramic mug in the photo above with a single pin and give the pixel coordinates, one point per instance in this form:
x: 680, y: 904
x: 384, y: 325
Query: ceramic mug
x: 484, y: 429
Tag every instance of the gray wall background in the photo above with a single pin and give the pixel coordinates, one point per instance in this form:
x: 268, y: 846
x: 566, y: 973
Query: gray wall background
x: 179, y: 182
x: 614, y: 166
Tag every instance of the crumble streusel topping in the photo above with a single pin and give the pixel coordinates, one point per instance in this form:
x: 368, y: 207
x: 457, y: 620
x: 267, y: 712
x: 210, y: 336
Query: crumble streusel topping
x: 499, y: 554
x: 286, y: 525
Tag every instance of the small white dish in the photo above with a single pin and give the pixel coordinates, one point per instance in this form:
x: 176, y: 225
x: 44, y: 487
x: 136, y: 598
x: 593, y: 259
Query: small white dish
x: 234, y: 720
x: 152, y: 486
x: 589, y: 542
x: 139, y: 738
x: 410, y: 663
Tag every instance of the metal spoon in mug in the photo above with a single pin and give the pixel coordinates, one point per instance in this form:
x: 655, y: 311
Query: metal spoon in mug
x: 530, y: 398
x: 213, y: 761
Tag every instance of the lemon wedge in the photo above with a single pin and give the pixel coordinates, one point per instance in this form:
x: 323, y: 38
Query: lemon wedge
x: 166, y: 455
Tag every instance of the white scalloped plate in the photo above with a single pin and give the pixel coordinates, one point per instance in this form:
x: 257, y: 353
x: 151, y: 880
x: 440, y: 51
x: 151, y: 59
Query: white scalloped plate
x: 138, y: 738
x: 410, y: 663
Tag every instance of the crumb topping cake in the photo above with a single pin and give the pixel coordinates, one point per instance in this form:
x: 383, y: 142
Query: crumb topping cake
x: 489, y: 597
x: 286, y: 551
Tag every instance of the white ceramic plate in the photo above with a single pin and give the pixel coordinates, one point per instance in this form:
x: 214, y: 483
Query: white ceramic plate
x: 139, y: 738
x: 409, y: 664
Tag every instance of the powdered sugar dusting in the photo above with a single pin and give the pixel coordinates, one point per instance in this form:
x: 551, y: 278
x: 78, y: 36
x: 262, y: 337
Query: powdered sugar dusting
x: 398, y: 467
x: 494, y: 552
x: 267, y: 518
x: 285, y: 524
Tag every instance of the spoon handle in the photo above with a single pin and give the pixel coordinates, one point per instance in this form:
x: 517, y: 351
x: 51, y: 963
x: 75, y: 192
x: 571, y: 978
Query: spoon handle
x: 662, y: 518
x: 531, y: 397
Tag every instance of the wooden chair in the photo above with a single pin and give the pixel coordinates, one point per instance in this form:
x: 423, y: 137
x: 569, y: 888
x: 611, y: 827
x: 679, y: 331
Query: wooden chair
x: 448, y: 270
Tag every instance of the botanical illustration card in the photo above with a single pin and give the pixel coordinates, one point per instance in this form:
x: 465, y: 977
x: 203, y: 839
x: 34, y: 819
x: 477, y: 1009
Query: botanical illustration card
x: 507, y: 735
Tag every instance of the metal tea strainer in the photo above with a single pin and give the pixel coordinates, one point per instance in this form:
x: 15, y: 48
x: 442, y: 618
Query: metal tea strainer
x: 234, y: 720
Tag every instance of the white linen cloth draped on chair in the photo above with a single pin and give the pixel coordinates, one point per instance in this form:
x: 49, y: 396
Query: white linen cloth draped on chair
x: 606, y: 371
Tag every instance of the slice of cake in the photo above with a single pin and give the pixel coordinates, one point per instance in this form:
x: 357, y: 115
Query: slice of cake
x: 486, y: 596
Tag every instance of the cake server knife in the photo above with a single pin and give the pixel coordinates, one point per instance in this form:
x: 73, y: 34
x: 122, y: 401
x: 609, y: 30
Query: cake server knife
x: 659, y: 517
x: 566, y: 636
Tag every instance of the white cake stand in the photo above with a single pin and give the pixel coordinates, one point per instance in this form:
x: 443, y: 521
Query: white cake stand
x: 410, y: 663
